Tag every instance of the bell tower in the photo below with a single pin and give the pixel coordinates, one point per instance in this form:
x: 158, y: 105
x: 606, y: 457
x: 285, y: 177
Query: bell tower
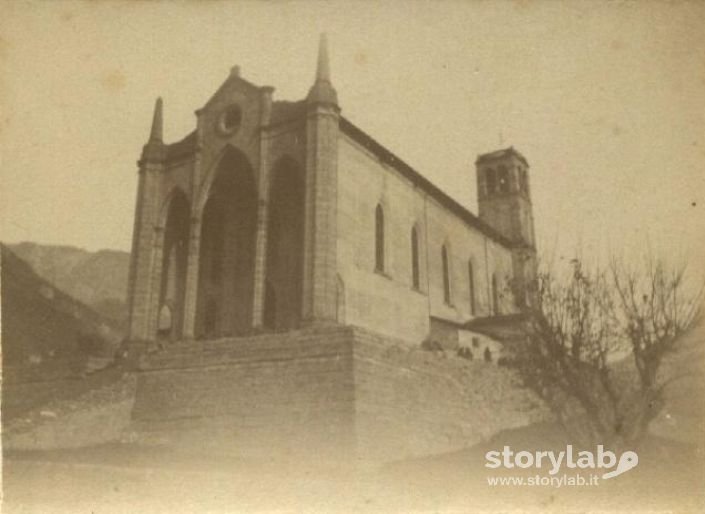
x: 504, y: 200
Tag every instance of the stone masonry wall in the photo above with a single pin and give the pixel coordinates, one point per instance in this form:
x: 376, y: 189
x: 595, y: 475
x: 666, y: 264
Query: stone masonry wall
x: 325, y: 392
x: 411, y: 402
x: 95, y: 417
x: 269, y: 395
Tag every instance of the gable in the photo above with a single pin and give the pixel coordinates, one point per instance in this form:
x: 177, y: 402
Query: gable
x: 232, y: 116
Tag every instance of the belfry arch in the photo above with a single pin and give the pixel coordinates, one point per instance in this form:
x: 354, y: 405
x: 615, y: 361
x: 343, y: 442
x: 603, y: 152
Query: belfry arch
x: 227, y: 250
x: 174, y: 262
x: 285, y: 246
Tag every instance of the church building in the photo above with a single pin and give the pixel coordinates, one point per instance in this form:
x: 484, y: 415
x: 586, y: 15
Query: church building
x: 278, y: 215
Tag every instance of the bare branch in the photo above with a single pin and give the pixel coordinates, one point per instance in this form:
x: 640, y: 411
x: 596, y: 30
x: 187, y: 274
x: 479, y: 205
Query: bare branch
x: 581, y: 322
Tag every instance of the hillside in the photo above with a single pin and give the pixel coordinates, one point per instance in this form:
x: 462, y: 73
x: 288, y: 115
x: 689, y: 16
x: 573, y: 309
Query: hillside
x: 683, y: 418
x: 46, y: 335
x: 98, y: 279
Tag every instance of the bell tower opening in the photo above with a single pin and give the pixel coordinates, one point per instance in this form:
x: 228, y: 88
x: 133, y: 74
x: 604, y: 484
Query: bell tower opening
x: 503, y: 194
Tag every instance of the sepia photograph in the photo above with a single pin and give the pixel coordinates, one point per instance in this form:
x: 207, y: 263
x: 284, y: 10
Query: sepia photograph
x: 307, y: 256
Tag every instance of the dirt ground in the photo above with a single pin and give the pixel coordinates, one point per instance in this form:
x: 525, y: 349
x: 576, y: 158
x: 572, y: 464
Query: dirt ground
x: 128, y: 478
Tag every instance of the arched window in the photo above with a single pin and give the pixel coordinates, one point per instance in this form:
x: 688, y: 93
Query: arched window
x: 522, y: 178
x: 503, y: 179
x: 379, y: 238
x: 471, y: 287
x: 495, y: 296
x: 446, y: 274
x: 414, y: 258
x: 525, y: 180
x: 490, y: 181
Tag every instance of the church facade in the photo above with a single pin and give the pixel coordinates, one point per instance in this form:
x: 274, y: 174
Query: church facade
x: 275, y: 215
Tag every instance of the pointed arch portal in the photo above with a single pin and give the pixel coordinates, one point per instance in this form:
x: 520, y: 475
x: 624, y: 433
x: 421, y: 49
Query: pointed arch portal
x: 227, y: 252
x: 174, y: 260
x: 285, y: 245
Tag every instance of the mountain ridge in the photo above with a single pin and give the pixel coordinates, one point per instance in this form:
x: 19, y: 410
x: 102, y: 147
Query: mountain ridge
x: 98, y: 279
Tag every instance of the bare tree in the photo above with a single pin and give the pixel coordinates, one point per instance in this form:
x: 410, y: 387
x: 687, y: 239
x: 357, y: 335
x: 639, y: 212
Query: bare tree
x: 581, y: 329
x: 656, y: 309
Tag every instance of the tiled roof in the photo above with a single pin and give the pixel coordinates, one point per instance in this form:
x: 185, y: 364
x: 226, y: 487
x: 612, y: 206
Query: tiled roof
x: 182, y: 148
x: 422, y: 182
x: 498, y: 154
x: 502, y: 327
x: 283, y: 111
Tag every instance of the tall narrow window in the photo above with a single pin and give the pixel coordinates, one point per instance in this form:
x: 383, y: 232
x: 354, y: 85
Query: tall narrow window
x: 379, y: 238
x: 522, y: 179
x: 490, y: 181
x: 446, y: 275
x: 495, y: 296
x: 503, y: 179
x: 414, y: 258
x: 471, y: 287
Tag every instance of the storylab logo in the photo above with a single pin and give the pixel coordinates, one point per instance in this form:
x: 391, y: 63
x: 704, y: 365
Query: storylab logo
x: 603, y: 460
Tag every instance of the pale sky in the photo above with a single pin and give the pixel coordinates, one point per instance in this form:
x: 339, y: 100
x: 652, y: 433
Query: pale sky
x: 606, y: 101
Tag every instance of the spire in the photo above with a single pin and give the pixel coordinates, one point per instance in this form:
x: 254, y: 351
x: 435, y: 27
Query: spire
x: 323, y: 67
x: 322, y: 91
x: 157, y: 123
